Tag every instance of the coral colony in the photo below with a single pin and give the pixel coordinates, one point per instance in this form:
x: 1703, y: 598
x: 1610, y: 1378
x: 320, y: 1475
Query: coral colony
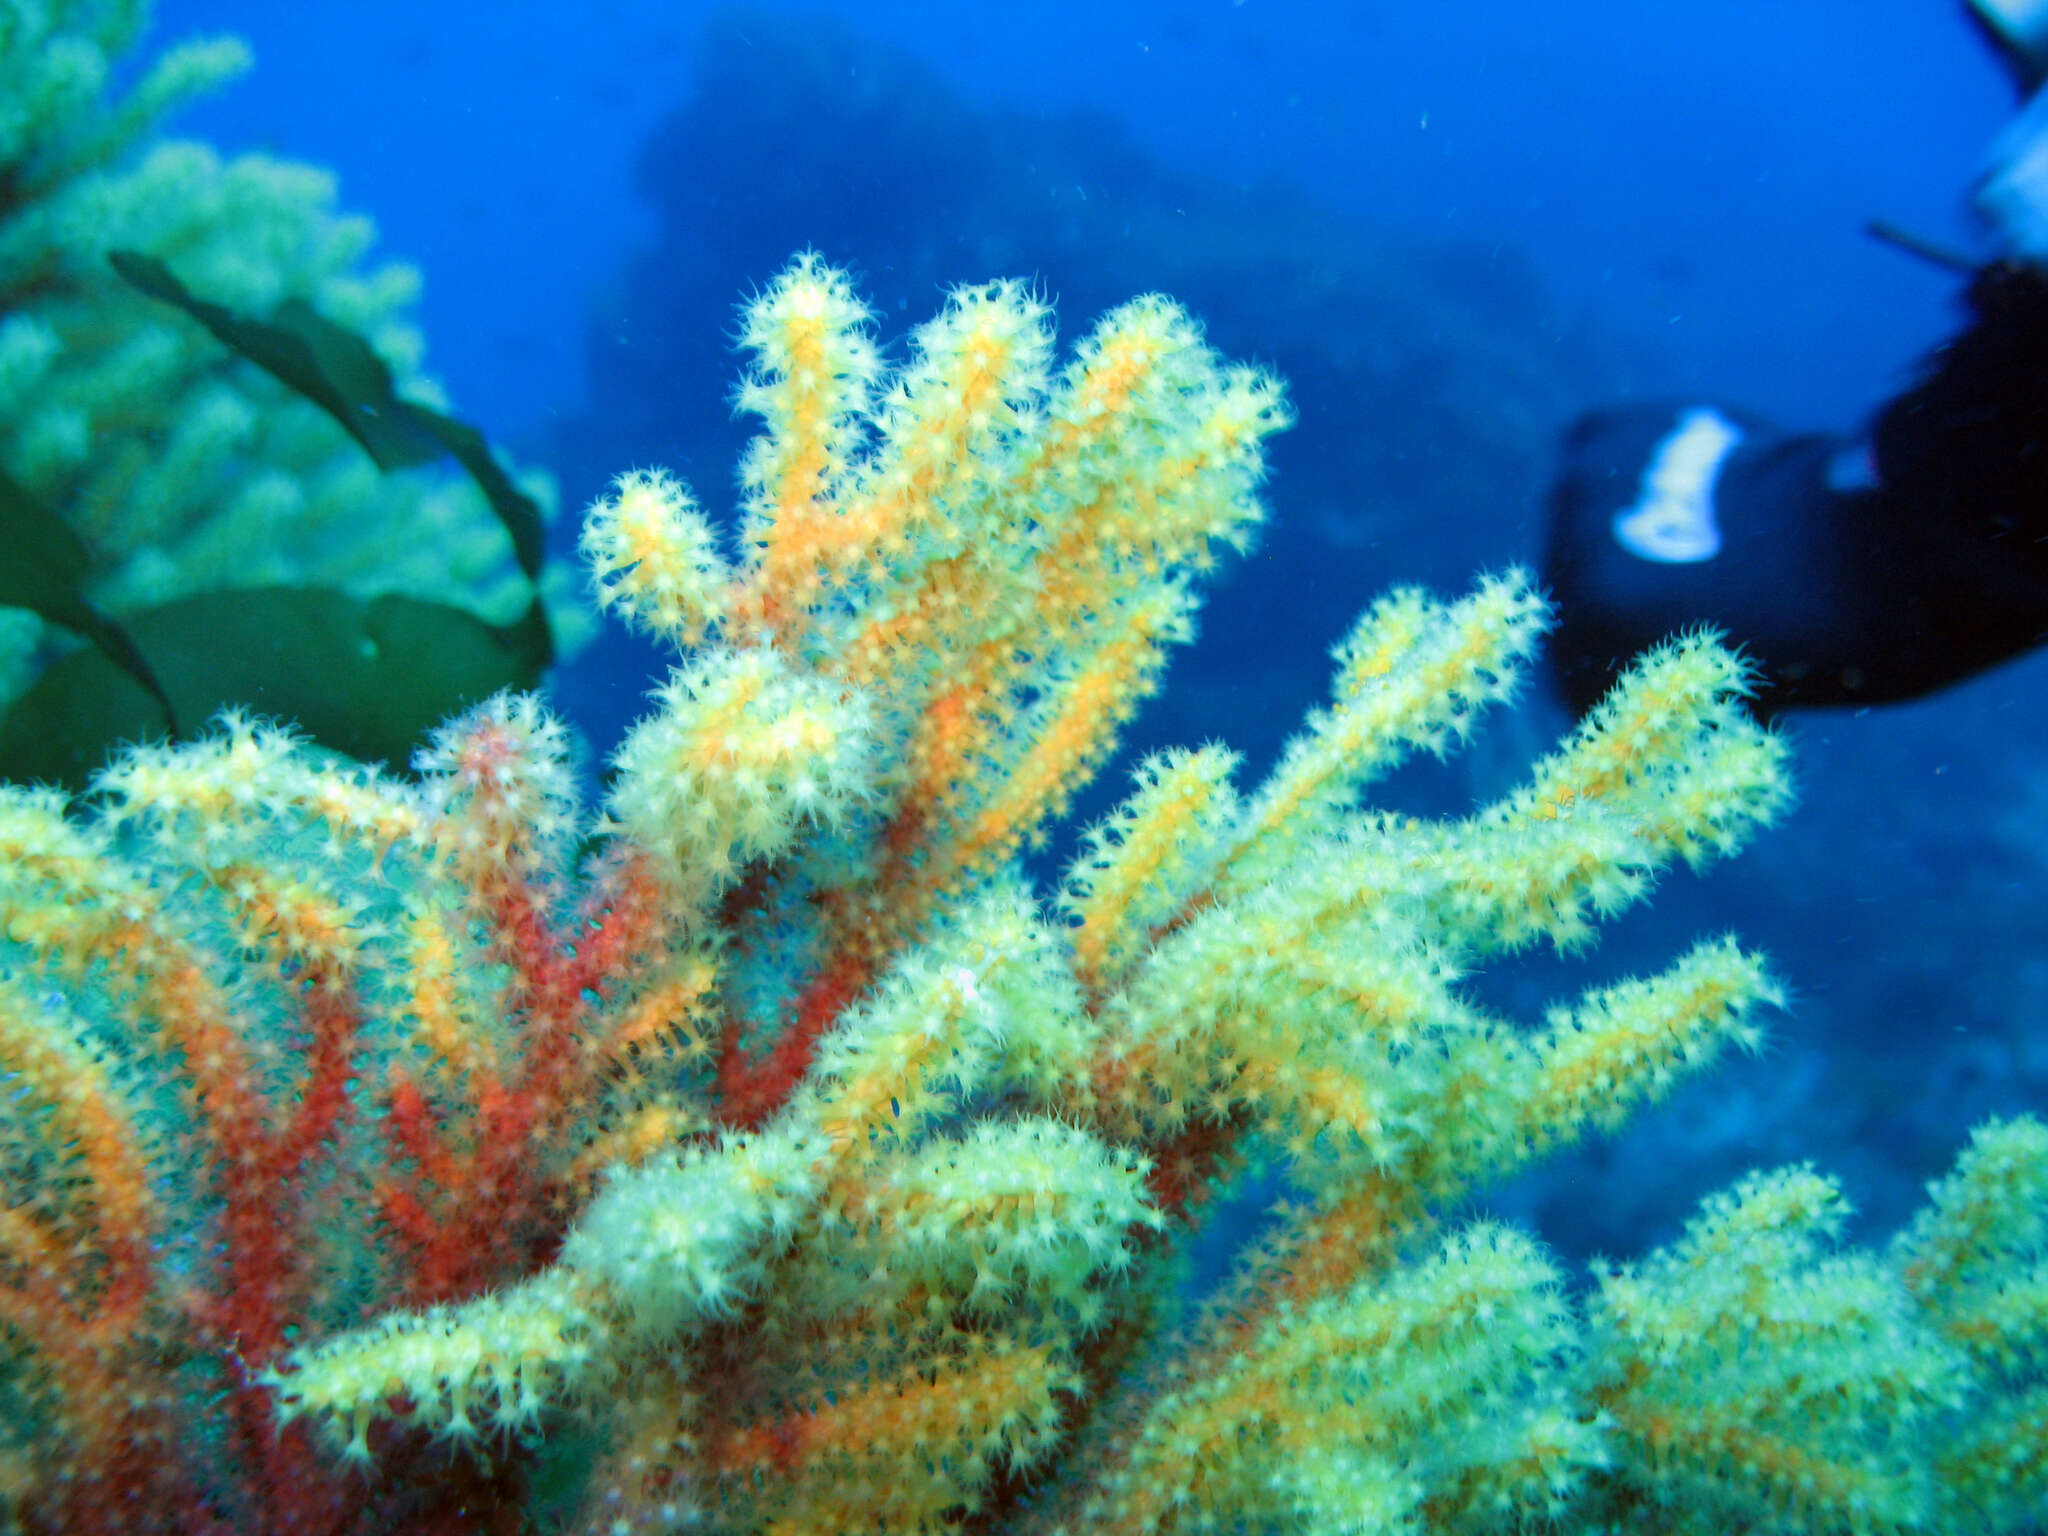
x: 763, y: 1152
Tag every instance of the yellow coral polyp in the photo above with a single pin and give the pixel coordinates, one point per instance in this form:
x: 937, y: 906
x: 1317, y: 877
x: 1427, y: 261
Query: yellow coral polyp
x: 744, y: 753
x: 654, y: 558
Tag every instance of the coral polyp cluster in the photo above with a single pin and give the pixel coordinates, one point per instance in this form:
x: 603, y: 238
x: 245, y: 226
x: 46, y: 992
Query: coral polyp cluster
x: 765, y: 1151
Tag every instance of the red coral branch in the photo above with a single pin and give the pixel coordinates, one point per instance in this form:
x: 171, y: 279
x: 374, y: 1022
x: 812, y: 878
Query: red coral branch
x: 751, y: 1088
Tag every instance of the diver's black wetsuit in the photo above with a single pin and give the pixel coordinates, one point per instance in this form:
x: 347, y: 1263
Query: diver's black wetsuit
x: 1851, y: 572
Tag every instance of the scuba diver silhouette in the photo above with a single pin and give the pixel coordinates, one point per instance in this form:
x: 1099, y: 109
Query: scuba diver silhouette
x: 1851, y: 570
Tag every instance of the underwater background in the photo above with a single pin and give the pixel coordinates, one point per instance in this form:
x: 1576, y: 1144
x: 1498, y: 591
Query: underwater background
x: 1449, y: 228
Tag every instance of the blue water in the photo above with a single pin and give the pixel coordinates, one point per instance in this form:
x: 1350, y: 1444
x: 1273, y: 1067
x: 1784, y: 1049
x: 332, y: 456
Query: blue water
x: 1696, y: 175
x: 1452, y: 226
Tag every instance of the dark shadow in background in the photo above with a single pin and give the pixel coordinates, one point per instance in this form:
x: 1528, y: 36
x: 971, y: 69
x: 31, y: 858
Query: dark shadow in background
x: 1429, y: 378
